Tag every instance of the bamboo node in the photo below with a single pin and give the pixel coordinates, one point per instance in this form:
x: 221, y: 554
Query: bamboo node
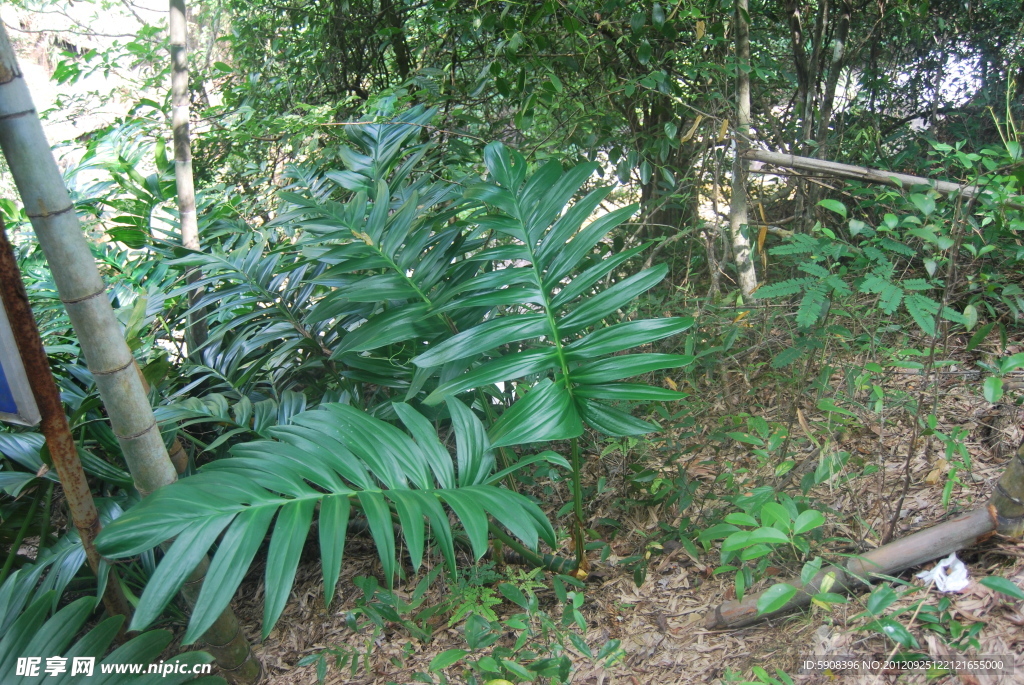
x: 15, y: 115
x: 47, y: 215
x: 111, y: 372
x: 76, y: 300
x: 1002, y: 491
x: 238, y: 628
x: 139, y: 434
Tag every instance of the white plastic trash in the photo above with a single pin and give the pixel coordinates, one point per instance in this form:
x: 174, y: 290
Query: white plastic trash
x: 949, y: 575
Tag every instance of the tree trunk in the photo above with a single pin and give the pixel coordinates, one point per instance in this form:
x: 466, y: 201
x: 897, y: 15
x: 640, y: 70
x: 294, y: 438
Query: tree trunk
x: 197, y: 327
x: 84, y: 295
x: 738, y: 211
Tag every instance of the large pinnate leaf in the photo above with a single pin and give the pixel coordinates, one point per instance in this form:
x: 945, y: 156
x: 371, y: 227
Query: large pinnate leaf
x: 570, y: 329
x: 340, y: 458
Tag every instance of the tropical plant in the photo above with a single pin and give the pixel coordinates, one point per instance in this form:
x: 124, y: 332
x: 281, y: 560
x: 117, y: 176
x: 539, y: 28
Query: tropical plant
x: 338, y: 457
x: 471, y: 291
x: 41, y: 648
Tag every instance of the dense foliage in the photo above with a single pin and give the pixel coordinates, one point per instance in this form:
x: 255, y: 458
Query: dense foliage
x: 449, y: 255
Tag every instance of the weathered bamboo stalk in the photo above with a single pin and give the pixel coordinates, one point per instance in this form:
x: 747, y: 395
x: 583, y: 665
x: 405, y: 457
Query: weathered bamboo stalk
x: 78, y: 281
x: 54, y: 423
x: 1003, y: 514
x: 83, y: 293
x: 889, y: 178
x: 738, y: 210
x: 183, y: 162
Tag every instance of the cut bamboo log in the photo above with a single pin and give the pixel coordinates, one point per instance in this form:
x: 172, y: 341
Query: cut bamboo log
x: 889, y: 178
x: 1003, y: 514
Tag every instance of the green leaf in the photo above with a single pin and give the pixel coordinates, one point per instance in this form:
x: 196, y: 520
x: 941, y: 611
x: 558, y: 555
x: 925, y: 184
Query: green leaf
x: 566, y: 259
x: 1007, y: 587
x: 880, y: 599
x: 333, y: 529
x: 228, y: 567
x: 378, y: 516
x: 589, y: 278
x: 511, y: 366
x: 626, y: 335
x: 425, y: 435
x: 411, y: 517
x: 740, y: 519
x: 737, y: 540
x: 473, y: 517
x: 604, y: 303
x: 181, y: 558
x: 290, y: 532
x: 475, y: 459
x: 924, y: 203
x: 893, y: 630
x: 826, y: 404
x: 810, y: 570
x: 611, y: 421
x: 625, y: 366
x: 992, y: 388
x: 486, y: 336
x: 775, y: 598
x: 767, y: 535
x: 514, y: 594
x: 395, y: 325
x: 446, y: 659
x: 717, y: 532
x: 923, y: 310
x: 546, y: 413
x: 811, y: 307
x: 140, y: 650
x: 979, y: 336
x: 787, y: 357
x: 808, y: 520
x: 628, y: 391
x: 833, y: 206
x: 776, y: 515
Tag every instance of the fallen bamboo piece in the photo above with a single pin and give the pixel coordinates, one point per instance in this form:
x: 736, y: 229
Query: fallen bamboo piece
x: 1004, y: 514
x: 889, y: 178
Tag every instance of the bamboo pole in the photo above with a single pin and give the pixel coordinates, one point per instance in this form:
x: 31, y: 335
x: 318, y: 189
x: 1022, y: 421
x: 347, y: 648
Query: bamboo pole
x: 183, y: 163
x: 78, y: 280
x: 738, y: 220
x: 1003, y: 514
x: 889, y: 178
x: 83, y: 293
x: 54, y: 422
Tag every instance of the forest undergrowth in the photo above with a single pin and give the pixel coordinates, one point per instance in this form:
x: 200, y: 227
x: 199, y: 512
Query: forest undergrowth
x: 746, y: 429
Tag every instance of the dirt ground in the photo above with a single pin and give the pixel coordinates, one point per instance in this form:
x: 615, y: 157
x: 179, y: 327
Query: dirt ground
x: 661, y: 623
